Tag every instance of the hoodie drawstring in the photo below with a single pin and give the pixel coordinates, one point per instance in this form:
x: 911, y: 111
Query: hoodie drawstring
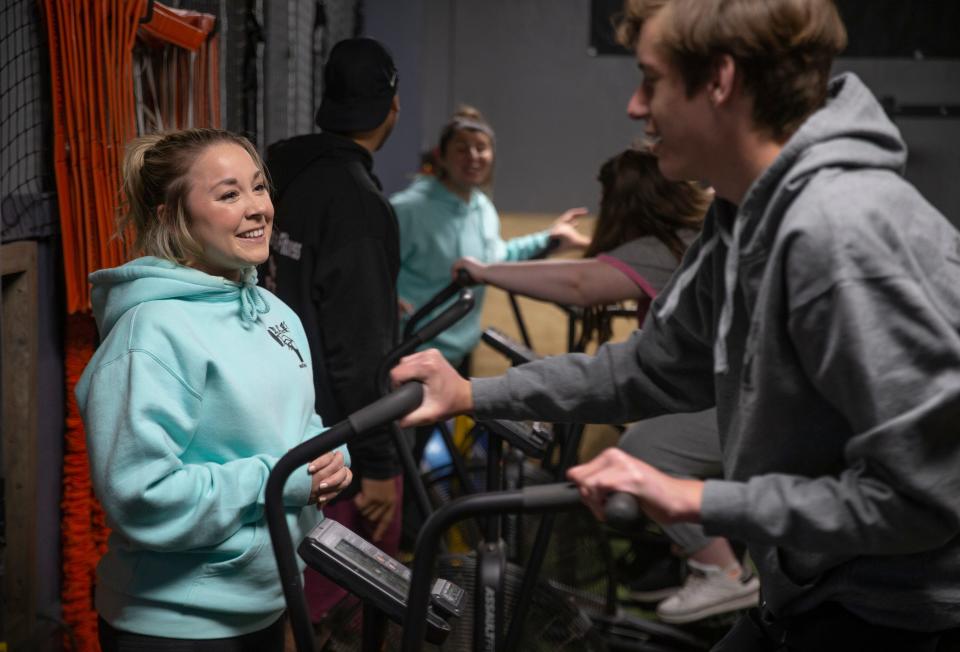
x: 731, y: 268
x: 252, y: 303
x: 685, y: 278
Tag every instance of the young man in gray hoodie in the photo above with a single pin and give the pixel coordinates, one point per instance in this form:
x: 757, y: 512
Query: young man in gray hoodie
x: 820, y: 313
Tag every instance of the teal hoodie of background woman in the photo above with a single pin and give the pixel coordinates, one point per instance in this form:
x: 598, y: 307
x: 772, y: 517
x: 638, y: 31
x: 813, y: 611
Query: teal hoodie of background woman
x: 199, y: 386
x: 436, y: 229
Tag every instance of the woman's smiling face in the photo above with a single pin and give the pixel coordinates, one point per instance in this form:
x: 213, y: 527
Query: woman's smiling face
x: 229, y: 211
x: 467, y: 160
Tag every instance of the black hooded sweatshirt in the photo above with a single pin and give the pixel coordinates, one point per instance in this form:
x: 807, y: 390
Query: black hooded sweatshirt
x: 334, y: 259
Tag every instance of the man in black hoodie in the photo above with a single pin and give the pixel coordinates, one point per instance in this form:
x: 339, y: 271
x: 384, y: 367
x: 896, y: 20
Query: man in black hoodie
x: 334, y: 259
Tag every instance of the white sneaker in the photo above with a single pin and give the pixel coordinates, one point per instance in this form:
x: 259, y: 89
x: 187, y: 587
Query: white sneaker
x: 707, y: 591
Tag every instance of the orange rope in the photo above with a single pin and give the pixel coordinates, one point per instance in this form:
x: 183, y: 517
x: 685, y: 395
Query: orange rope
x: 82, y: 514
x: 94, y: 115
x: 90, y: 70
x: 91, y: 45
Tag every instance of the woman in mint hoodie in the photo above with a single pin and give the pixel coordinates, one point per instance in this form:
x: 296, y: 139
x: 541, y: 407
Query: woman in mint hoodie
x: 201, y: 383
x: 447, y: 216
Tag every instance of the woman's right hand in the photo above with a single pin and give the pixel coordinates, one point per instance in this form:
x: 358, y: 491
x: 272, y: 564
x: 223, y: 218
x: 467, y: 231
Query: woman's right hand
x: 472, y: 266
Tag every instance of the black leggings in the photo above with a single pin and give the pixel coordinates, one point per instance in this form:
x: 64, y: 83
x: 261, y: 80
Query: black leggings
x: 269, y: 639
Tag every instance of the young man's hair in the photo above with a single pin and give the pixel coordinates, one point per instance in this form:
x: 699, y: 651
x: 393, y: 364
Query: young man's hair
x: 783, y: 49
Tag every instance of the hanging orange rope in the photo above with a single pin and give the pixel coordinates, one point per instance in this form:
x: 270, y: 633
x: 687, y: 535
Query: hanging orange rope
x: 94, y: 114
x: 90, y: 50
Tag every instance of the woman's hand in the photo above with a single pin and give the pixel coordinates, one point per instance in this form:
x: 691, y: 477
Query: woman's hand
x: 473, y: 267
x: 330, y: 477
x: 564, y: 229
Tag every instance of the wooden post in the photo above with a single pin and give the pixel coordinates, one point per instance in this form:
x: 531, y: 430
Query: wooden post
x: 18, y: 437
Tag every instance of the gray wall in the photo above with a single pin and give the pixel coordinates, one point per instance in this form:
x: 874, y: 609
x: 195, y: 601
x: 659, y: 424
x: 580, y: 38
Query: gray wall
x: 399, y: 26
x: 559, y: 112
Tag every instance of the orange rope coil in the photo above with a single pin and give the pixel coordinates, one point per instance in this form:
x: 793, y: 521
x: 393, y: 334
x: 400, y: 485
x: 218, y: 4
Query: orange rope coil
x: 91, y: 47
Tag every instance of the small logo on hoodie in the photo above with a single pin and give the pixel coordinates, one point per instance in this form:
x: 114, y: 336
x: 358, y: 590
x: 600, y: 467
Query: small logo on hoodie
x: 279, y: 334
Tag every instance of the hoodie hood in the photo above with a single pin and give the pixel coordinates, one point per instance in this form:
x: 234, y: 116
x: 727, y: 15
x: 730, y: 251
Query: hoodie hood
x: 288, y: 158
x: 851, y: 131
x: 118, y: 289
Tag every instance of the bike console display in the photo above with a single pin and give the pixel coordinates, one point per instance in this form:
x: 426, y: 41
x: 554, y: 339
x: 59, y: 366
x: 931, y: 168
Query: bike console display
x: 533, y: 439
x: 374, y: 576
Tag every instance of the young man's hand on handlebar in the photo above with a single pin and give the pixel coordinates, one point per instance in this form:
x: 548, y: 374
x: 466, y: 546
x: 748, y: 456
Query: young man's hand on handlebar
x: 662, y: 497
x: 445, y: 392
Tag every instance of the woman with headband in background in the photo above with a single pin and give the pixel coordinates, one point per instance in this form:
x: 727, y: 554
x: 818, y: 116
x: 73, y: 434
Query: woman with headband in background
x: 447, y: 216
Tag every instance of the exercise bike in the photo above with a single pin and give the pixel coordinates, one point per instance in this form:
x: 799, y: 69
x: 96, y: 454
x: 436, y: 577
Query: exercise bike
x: 380, y: 581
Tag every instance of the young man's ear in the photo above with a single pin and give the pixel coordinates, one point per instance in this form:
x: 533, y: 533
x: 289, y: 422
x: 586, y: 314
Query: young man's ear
x: 722, y: 79
x: 395, y: 103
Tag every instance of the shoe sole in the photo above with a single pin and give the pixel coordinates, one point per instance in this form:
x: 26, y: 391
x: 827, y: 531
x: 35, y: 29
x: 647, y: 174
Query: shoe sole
x: 743, y: 602
x: 653, y: 596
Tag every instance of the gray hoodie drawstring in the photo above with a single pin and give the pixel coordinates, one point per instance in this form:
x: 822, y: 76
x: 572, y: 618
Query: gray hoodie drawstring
x: 729, y: 285
x: 685, y: 278
x: 731, y: 267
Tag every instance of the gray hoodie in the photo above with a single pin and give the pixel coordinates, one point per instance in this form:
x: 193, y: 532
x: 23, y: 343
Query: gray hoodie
x: 821, y: 317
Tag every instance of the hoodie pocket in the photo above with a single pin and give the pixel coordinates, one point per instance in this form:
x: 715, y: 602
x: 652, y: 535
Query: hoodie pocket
x: 249, y: 541
x: 803, y: 570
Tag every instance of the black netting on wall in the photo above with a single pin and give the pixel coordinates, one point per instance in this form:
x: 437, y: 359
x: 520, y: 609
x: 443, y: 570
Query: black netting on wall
x: 27, y: 198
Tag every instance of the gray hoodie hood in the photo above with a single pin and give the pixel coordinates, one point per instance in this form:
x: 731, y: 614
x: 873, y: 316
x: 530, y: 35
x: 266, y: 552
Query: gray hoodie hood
x: 851, y: 131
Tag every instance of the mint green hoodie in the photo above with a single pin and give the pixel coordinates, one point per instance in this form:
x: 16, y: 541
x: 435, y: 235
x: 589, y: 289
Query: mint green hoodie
x: 199, y: 386
x: 436, y: 229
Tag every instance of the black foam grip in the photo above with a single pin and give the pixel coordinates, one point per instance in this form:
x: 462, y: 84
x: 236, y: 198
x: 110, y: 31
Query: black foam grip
x: 457, y: 311
x: 391, y: 407
x: 546, y: 496
x: 622, y: 510
x: 464, y: 279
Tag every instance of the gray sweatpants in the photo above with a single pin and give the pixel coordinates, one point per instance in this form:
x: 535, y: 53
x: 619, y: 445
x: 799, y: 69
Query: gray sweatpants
x: 683, y: 445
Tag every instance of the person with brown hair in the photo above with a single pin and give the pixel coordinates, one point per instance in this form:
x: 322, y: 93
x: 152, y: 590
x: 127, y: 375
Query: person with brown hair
x: 644, y: 226
x: 448, y: 215
x: 819, y: 311
x: 201, y: 383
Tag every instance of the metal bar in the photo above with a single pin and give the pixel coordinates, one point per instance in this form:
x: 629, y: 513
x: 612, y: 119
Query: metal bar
x: 529, y: 500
